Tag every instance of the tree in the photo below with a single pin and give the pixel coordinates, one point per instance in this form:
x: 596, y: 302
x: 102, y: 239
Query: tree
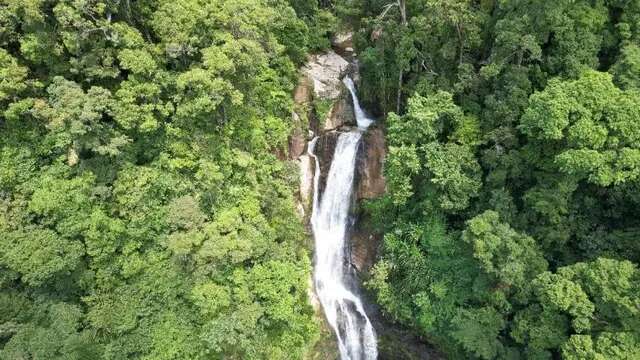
x: 477, y: 331
x: 602, y: 316
x: 444, y: 137
x: 512, y: 259
x: 591, y: 121
x: 627, y: 68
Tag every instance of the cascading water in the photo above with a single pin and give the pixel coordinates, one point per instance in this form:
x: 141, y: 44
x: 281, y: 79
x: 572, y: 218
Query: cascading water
x: 329, y: 220
x: 361, y: 118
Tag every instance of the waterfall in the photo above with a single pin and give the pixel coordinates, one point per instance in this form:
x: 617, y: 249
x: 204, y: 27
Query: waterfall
x: 334, y: 277
x: 361, y: 118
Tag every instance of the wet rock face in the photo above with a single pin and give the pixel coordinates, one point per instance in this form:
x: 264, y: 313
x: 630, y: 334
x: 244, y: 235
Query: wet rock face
x: 371, y: 182
x: 324, y: 151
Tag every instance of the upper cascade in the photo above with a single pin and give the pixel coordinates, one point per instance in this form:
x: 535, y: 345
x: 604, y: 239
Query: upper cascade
x: 362, y: 119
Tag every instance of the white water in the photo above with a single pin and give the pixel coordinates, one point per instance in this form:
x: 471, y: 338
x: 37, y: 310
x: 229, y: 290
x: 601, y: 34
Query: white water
x: 361, y: 118
x: 333, y: 277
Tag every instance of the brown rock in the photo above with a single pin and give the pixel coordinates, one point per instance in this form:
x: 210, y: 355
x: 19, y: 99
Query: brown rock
x: 303, y: 91
x: 302, y: 97
x: 364, y: 243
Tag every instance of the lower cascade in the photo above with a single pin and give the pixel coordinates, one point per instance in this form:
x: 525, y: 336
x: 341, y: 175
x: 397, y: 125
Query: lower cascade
x: 334, y: 278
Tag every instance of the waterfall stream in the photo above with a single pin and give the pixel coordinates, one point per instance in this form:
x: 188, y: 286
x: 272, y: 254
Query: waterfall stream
x: 334, y: 278
x: 362, y: 119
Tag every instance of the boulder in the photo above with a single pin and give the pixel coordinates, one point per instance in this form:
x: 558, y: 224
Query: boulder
x: 342, y: 41
x: 325, y: 72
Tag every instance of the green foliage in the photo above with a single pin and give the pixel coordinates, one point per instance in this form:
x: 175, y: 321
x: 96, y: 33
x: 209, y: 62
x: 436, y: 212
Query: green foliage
x: 433, y: 141
x: 51, y: 331
x: 38, y: 255
x: 597, y: 121
x: 12, y: 77
x: 143, y: 213
x: 320, y: 21
x: 477, y: 331
x: 512, y: 258
x: 598, y: 299
x: 455, y: 174
x: 627, y: 68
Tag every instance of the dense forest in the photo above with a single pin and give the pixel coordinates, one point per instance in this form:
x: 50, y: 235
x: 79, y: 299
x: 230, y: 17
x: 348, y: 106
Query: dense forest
x: 146, y: 212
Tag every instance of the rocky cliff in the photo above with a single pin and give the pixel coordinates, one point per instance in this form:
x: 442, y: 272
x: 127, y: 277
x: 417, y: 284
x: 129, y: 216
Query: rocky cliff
x: 320, y: 83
